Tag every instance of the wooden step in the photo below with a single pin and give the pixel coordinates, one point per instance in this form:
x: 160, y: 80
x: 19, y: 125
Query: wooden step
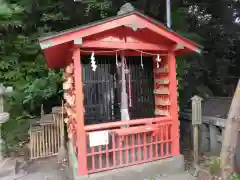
x: 162, y: 102
x: 162, y: 91
x: 160, y: 112
x: 162, y: 81
x: 163, y: 69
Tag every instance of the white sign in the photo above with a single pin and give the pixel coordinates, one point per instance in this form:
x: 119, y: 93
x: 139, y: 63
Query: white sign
x: 98, y: 138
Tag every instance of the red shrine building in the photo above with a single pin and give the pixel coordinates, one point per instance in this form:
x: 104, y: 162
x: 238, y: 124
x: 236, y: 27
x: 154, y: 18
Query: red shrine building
x: 92, y: 56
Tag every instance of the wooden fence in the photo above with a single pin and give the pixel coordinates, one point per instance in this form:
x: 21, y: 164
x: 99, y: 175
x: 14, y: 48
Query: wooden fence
x: 45, y: 134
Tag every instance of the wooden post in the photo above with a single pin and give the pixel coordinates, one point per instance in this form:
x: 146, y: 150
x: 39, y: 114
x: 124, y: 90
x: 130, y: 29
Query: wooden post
x: 171, y: 60
x: 62, y: 153
x: 196, y: 121
x: 81, y: 134
x: 230, y: 135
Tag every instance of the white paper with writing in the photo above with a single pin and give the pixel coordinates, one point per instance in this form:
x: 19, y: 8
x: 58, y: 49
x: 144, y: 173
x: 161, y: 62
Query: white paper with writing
x: 98, y: 138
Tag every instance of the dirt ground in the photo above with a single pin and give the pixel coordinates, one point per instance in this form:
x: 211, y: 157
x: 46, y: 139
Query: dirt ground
x: 204, y: 171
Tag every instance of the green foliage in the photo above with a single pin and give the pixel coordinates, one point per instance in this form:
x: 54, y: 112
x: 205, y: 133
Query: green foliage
x: 13, y: 134
x: 188, y: 66
x: 214, y: 165
x: 235, y: 176
x: 10, y: 15
x: 22, y: 66
x: 153, y: 178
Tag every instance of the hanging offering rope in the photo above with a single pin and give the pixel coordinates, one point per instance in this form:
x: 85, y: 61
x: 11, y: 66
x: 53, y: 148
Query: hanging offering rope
x: 141, y: 60
x: 93, y: 62
x: 116, y: 59
x: 158, y: 61
x: 119, y: 50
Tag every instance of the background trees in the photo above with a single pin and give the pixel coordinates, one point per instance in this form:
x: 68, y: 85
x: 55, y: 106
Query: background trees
x: 212, y: 23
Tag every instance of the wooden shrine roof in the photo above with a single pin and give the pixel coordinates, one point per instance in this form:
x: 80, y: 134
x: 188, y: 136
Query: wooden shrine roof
x: 48, y: 36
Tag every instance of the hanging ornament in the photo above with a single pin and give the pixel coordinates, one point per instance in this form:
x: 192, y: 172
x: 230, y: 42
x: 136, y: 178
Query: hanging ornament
x: 141, y: 60
x: 93, y: 62
x: 158, y: 61
x: 117, y: 60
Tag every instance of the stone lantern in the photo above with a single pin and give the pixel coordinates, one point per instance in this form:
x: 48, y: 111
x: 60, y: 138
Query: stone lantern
x: 4, y: 116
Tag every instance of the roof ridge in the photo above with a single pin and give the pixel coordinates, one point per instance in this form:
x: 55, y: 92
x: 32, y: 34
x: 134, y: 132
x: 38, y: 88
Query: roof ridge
x: 126, y: 8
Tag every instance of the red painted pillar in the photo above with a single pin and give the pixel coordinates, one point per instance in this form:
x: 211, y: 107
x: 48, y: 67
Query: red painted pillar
x: 174, y: 102
x: 81, y: 134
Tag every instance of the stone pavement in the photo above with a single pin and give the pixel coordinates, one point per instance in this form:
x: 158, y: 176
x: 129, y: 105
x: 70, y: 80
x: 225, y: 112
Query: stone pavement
x: 44, y: 169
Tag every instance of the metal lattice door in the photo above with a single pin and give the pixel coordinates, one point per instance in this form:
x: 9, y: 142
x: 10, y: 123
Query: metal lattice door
x: 101, y: 90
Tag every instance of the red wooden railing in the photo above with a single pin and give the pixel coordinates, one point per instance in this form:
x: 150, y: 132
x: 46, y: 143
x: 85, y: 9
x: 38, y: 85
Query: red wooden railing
x: 144, y: 140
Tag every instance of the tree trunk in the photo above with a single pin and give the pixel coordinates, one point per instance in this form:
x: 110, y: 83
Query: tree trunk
x: 230, y: 136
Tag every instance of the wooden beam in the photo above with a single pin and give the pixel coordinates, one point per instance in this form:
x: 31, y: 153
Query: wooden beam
x: 124, y: 45
x: 114, y: 125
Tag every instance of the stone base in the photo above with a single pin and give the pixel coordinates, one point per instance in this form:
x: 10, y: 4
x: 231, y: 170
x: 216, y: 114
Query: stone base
x: 173, y: 165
